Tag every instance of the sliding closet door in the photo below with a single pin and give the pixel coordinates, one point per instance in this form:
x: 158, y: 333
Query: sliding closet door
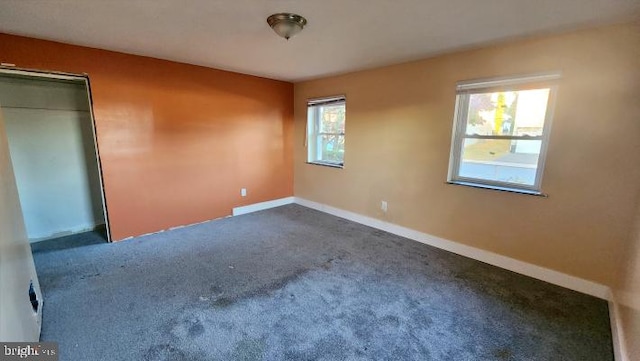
x: 20, y: 311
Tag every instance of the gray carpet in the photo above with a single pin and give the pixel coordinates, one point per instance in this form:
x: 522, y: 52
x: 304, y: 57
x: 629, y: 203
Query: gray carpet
x: 291, y: 283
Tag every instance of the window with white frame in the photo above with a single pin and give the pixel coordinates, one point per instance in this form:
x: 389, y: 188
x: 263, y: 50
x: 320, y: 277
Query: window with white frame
x: 325, y: 131
x: 501, y: 130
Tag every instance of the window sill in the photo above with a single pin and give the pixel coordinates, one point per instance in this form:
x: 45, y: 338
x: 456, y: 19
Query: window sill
x: 499, y: 188
x: 326, y: 164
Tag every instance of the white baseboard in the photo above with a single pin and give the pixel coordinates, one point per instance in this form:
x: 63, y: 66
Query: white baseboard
x: 262, y: 206
x: 235, y: 212
x: 511, y: 264
x: 617, y: 332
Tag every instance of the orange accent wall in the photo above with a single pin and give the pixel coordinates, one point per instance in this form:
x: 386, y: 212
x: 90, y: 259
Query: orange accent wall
x: 177, y: 141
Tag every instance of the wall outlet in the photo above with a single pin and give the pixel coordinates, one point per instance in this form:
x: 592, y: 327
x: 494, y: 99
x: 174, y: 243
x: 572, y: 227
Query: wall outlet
x: 383, y: 206
x: 243, y: 192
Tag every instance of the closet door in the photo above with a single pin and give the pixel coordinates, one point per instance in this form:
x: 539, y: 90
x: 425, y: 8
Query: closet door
x: 20, y: 298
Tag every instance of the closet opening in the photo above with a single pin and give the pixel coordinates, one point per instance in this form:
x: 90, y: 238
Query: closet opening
x: 53, y: 148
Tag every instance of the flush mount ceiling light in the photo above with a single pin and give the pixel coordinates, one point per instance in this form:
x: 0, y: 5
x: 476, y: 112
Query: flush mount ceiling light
x: 286, y: 24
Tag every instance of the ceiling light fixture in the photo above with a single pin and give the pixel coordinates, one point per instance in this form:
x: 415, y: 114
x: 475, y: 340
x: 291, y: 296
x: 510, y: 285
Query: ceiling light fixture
x: 286, y: 24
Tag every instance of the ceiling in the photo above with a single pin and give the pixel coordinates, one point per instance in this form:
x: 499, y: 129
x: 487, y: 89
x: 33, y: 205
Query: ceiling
x: 341, y: 36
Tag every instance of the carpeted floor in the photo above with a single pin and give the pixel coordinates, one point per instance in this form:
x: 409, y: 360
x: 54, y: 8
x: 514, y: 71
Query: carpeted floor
x: 291, y: 283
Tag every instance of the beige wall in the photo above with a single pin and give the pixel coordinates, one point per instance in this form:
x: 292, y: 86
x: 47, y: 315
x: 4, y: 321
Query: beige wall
x: 628, y: 294
x: 17, y: 320
x: 398, y: 135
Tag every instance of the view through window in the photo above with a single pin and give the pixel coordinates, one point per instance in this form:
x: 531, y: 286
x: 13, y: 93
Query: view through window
x: 325, y: 131
x: 501, y: 134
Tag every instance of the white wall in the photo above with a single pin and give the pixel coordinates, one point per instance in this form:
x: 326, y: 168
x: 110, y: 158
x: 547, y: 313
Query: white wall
x: 18, y: 322
x: 48, y: 125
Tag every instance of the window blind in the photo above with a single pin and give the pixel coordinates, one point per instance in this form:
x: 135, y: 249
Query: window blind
x: 487, y: 84
x: 326, y: 101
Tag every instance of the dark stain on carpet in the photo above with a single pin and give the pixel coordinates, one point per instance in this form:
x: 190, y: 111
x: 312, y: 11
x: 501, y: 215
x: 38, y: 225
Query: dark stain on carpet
x: 258, y: 291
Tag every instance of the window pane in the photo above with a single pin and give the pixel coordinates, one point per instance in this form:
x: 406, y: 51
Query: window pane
x: 332, y: 119
x: 507, y: 113
x: 511, y: 161
x: 331, y: 148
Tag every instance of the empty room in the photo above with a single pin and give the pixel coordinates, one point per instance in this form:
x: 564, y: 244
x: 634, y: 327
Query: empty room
x: 320, y: 180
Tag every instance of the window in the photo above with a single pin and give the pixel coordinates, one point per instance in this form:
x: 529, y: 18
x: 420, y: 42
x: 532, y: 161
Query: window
x: 500, y: 132
x: 325, y: 131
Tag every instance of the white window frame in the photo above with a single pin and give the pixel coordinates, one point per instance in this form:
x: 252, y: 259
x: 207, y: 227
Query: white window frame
x: 313, y: 137
x: 503, y: 84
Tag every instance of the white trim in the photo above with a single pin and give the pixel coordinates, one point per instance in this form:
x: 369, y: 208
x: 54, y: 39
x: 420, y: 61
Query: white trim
x: 96, y: 152
x: 236, y: 212
x: 511, y: 264
x: 262, y: 206
x: 617, y: 331
x: 627, y: 299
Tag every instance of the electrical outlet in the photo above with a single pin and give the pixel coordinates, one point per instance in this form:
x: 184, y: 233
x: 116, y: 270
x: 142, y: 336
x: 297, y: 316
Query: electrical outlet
x: 383, y: 206
x: 243, y: 192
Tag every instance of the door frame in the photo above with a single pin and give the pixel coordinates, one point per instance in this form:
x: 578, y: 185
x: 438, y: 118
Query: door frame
x: 35, y: 73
